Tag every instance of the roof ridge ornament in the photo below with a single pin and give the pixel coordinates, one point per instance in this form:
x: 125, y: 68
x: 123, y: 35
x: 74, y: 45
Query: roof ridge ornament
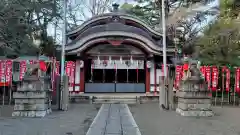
x: 115, y: 7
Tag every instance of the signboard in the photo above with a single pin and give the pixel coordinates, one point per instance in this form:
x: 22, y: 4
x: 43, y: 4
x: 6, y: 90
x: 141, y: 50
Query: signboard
x: 106, y: 64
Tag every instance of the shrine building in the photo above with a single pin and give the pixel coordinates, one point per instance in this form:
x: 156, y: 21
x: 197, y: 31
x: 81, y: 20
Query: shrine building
x: 116, y: 53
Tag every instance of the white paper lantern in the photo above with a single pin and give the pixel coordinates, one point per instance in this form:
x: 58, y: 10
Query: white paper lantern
x: 149, y: 64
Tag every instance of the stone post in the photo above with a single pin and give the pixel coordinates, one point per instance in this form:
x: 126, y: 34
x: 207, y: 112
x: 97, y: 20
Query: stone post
x: 171, y: 94
x: 65, y: 94
x: 162, y: 93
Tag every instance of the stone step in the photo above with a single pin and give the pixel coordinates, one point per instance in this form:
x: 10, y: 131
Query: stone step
x: 27, y: 95
x: 31, y: 113
x: 33, y: 107
x: 115, y: 99
x: 114, y: 102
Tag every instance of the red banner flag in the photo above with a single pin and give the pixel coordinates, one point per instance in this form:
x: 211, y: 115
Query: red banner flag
x: 237, y: 77
x: 208, y: 75
x: 72, y: 77
x: 8, y: 75
x: 203, y: 70
x: 178, y: 76
x: 227, y: 79
x: 185, y: 67
x: 57, y: 67
x: 2, y: 72
x: 68, y: 68
x: 23, y: 68
x: 214, y: 78
x: 42, y: 66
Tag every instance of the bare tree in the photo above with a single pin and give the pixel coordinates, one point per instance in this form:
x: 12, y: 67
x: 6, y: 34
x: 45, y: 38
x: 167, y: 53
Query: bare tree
x: 84, y: 9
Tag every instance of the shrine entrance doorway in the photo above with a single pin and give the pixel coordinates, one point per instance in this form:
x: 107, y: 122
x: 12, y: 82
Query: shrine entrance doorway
x: 115, y: 76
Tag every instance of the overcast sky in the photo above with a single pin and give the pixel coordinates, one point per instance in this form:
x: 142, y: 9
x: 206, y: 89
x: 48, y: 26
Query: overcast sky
x: 202, y: 8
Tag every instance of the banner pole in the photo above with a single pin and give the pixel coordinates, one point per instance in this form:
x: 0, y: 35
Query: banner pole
x: 4, y: 87
x: 222, y: 87
x: 234, y: 98
x: 216, y: 95
x: 10, y: 89
x: 228, y: 86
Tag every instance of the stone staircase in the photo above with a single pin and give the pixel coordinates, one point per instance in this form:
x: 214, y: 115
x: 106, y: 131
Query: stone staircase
x: 115, y: 99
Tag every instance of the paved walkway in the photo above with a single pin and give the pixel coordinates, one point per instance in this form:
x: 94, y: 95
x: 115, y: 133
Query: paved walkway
x: 153, y: 121
x: 114, y: 119
x: 75, y: 121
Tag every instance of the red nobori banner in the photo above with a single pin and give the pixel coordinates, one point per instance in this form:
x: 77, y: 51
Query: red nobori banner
x: 68, y: 67
x: 227, y: 79
x: 23, y: 68
x: 57, y: 67
x: 9, y: 64
x: 72, y: 77
x: 178, y: 76
x: 70, y: 71
x: 5, y: 72
x: 2, y: 72
x: 208, y: 75
x: 214, y: 78
x: 203, y: 70
x: 237, y: 77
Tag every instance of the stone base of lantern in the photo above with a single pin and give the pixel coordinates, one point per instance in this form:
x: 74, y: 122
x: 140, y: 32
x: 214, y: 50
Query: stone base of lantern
x: 32, y: 98
x: 194, y: 101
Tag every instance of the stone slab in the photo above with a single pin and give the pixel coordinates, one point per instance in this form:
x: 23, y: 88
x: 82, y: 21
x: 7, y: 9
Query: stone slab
x: 194, y: 106
x: 33, y: 87
x: 31, y: 113
x: 193, y: 94
x: 193, y: 87
x: 192, y: 100
x: 32, y: 94
x: 131, y: 131
x: 31, y: 101
x: 37, y: 107
x: 114, y: 119
x: 194, y: 113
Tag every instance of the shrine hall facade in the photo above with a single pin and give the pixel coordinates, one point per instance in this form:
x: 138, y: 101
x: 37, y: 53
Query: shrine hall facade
x: 116, y: 53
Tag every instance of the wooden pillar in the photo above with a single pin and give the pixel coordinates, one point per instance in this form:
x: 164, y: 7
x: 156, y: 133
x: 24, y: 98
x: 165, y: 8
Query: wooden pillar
x: 82, y: 78
x: 147, y: 79
x: 155, y: 77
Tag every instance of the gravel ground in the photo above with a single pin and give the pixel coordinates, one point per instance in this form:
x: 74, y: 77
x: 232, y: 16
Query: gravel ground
x: 152, y: 121
x: 75, y: 121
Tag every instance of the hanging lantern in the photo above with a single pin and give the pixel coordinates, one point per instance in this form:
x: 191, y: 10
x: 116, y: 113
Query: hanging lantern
x: 121, y: 60
x: 110, y: 60
x: 140, y: 63
x: 131, y: 60
x: 105, y: 63
x: 81, y: 63
x: 99, y: 62
x: 149, y: 64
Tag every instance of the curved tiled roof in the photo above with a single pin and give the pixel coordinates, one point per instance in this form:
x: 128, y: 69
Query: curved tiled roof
x: 109, y: 15
x: 114, y: 26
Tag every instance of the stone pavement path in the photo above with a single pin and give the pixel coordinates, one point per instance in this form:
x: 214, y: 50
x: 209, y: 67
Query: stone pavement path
x: 114, y: 119
x: 153, y: 121
x: 75, y: 121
